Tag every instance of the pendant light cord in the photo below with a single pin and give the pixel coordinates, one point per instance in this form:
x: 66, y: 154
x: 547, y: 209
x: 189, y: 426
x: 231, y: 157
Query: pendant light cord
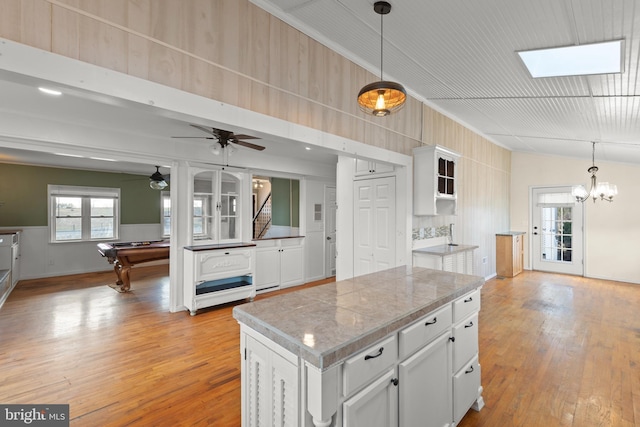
x: 381, y: 42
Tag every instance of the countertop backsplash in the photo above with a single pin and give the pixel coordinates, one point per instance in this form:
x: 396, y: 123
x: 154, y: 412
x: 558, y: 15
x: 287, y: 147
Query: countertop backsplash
x: 430, y: 236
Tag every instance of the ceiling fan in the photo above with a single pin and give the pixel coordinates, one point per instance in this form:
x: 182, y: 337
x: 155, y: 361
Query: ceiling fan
x: 224, y: 137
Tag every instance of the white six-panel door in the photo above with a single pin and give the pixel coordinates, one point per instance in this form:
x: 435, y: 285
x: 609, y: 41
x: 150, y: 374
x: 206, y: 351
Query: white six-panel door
x: 374, y: 237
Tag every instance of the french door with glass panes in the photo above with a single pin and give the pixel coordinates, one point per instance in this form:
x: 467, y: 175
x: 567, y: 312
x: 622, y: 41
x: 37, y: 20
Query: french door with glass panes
x: 557, y: 231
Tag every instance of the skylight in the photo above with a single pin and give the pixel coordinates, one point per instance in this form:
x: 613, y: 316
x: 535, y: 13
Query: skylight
x: 582, y: 60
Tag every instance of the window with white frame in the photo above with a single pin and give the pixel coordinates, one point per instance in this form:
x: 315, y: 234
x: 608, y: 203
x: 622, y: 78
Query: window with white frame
x: 202, y: 216
x: 166, y: 214
x: 79, y: 214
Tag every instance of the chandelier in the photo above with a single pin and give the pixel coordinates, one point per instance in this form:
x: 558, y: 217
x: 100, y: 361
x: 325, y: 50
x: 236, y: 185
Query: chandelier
x: 602, y: 190
x: 381, y: 98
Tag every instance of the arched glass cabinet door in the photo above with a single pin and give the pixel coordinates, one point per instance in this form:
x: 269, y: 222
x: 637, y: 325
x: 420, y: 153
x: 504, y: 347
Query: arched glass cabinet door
x: 216, y: 207
x: 229, y: 208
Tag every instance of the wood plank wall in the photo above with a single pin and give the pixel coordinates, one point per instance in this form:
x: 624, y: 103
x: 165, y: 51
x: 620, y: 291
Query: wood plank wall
x: 484, y: 186
x: 234, y: 52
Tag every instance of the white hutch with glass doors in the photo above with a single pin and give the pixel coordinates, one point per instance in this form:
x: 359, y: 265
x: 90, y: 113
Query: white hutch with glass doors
x: 218, y: 265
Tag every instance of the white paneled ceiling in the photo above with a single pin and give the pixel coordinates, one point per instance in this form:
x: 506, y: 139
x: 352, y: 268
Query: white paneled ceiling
x: 459, y: 56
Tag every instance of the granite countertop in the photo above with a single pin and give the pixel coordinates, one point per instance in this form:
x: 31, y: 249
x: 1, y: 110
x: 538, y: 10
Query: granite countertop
x: 327, y: 324
x: 511, y: 233
x: 196, y: 248
x: 443, y: 250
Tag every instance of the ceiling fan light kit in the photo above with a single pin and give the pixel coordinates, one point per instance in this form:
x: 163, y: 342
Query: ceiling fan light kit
x: 599, y: 190
x: 383, y: 97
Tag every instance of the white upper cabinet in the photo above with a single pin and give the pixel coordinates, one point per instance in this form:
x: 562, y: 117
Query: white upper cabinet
x: 435, y: 173
x: 216, y: 210
x: 365, y: 167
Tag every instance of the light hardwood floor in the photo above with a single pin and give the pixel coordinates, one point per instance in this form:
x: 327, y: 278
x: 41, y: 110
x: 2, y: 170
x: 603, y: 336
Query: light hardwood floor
x: 555, y: 351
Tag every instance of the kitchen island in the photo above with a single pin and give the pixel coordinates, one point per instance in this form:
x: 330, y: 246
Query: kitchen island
x: 397, y: 347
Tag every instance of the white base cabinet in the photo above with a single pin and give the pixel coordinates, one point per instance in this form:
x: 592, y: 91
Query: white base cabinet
x: 215, y: 274
x: 279, y: 263
x: 458, y: 261
x: 271, y: 398
x: 426, y: 374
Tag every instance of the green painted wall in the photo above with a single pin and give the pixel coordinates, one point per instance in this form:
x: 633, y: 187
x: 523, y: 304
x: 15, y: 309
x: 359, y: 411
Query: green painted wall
x: 284, y: 194
x: 23, y: 193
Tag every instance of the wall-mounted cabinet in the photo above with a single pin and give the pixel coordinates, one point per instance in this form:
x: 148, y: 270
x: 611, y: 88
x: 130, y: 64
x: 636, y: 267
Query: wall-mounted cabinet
x: 435, y: 173
x: 365, y: 167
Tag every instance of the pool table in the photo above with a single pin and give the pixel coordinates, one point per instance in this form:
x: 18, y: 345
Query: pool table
x: 124, y: 255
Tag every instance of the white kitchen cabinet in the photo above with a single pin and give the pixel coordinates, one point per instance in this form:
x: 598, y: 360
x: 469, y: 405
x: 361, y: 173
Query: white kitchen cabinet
x: 455, y: 259
x: 272, y: 378
x: 374, y: 406
x: 279, y: 263
x: 425, y: 389
x: 217, y: 274
x: 373, y: 363
x: 435, y: 172
x: 9, y: 263
x: 467, y: 391
x: 365, y: 167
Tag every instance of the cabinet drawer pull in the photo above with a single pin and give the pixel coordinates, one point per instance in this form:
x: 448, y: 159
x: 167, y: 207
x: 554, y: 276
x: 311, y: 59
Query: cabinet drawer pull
x: 469, y: 299
x: 226, y: 253
x: 433, y: 322
x: 469, y: 325
x: 368, y: 356
x: 468, y: 371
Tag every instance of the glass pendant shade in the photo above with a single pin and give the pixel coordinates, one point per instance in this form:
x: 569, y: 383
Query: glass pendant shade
x: 382, y: 98
x: 157, y: 181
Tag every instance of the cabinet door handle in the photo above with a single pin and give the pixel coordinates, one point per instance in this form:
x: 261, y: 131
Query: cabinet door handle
x: 452, y: 339
x: 433, y: 322
x: 394, y: 381
x: 469, y: 299
x: 468, y: 371
x: 368, y: 356
x: 469, y: 325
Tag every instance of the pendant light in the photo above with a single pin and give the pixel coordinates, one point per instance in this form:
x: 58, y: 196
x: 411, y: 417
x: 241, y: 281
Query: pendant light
x: 157, y: 181
x: 381, y: 98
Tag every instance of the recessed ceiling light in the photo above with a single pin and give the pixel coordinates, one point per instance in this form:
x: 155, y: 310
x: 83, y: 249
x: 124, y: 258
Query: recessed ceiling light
x: 581, y: 60
x: 307, y: 148
x: 50, y: 91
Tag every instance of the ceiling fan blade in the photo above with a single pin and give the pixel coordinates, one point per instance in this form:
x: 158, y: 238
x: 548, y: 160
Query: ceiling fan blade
x: 244, y: 137
x: 210, y: 131
x: 249, y: 145
x: 196, y: 137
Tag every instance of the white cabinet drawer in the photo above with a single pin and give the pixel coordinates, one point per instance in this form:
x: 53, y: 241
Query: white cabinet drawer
x: 223, y: 263
x: 465, y: 345
x: 424, y: 330
x: 368, y: 364
x: 466, y: 385
x: 464, y: 306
